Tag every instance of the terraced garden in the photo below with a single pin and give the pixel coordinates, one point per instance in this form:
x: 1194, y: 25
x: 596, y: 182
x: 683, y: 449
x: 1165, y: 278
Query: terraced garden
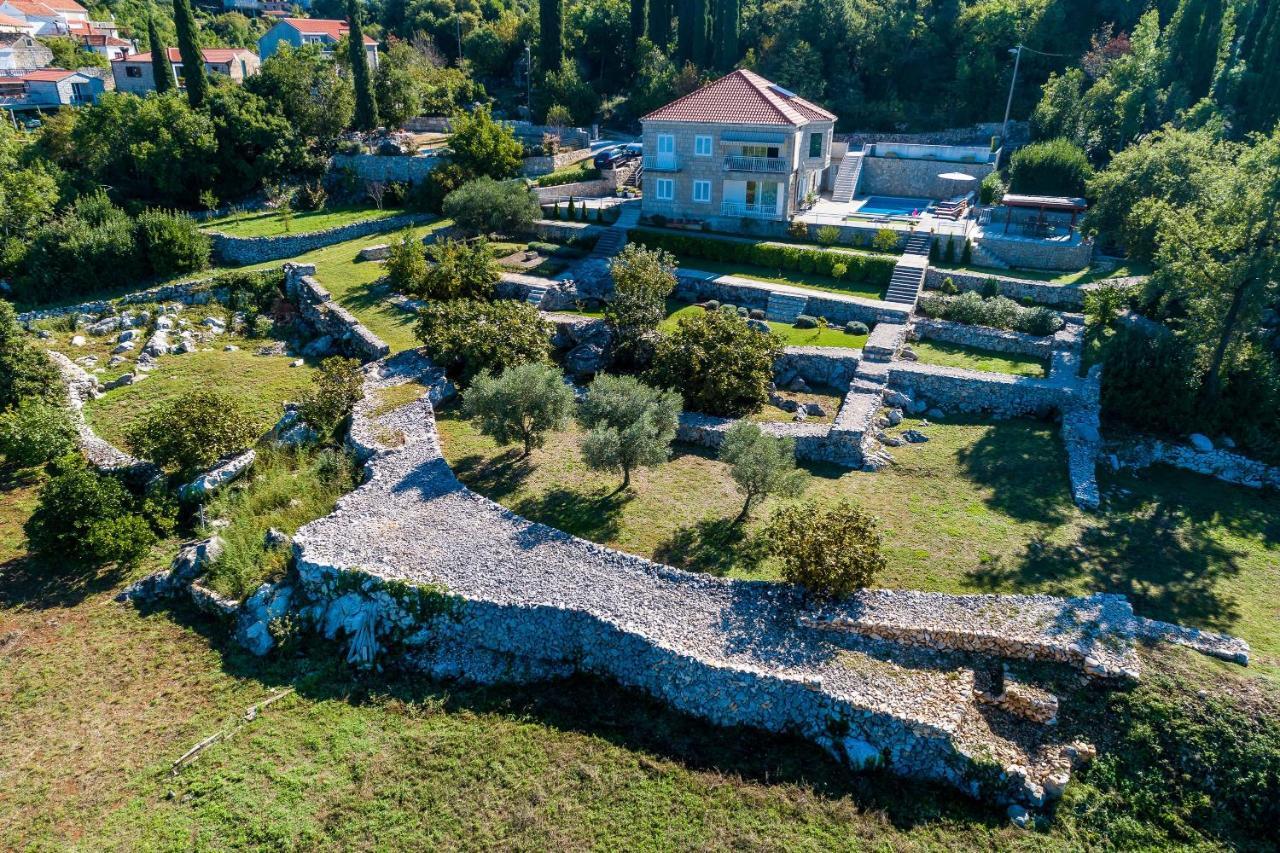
x: 269, y: 223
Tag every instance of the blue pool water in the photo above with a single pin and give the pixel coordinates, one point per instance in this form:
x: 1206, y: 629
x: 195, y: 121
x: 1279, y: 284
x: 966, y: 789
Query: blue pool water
x: 889, y: 205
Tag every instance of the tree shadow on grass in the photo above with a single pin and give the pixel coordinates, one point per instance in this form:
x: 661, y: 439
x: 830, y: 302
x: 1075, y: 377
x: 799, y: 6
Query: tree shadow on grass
x: 495, y: 477
x: 40, y: 583
x: 589, y: 515
x: 1025, y: 468
x: 714, y: 546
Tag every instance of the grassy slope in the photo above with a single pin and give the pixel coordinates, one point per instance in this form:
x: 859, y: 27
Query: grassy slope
x: 973, y: 358
x: 269, y: 224
x: 1084, y: 276
x: 790, y: 335
x: 812, y: 281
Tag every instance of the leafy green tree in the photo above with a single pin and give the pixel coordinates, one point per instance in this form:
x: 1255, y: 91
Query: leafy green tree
x: 304, y: 87
x: 335, y: 389
x: 409, y: 82
x: 761, y: 465
x: 161, y: 67
x: 719, y: 364
x: 468, y: 336
x: 254, y: 143
x: 631, y: 425
x: 189, y: 434
x: 88, y: 518
x: 551, y: 34
x: 193, y: 74
x: 91, y: 246
x: 171, y: 242
x: 454, y: 269
x: 407, y: 264
x: 69, y: 53
x: 366, y: 108
x: 831, y: 552
x: 1056, y: 167
x: 642, y: 280
x: 486, y: 206
x: 566, y: 87
x: 522, y: 404
x: 482, y: 147
x: 36, y: 432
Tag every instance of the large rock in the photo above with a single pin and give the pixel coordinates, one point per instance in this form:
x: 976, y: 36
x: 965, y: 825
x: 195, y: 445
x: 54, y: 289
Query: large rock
x: 319, y: 347
x: 217, y: 477
x: 253, y: 626
x: 104, y: 326
x: 1200, y: 442
x: 586, y: 358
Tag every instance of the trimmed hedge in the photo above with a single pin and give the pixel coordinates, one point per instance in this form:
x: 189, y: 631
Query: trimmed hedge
x: 555, y: 250
x: 840, y: 266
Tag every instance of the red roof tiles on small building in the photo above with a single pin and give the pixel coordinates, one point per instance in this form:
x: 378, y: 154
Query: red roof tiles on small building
x: 212, y: 55
x: 742, y: 97
x: 322, y: 27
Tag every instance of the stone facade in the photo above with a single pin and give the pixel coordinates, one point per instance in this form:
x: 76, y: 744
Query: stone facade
x: 907, y: 176
x: 316, y: 306
x: 254, y: 250
x: 1067, y: 254
x: 533, y: 167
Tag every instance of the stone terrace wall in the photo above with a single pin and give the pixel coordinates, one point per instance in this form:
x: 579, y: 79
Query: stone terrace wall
x: 954, y: 389
x: 1222, y: 464
x: 405, y: 169
x: 195, y: 292
x: 983, y: 337
x: 1069, y: 296
x: 1019, y: 134
x: 254, y: 250
x: 1036, y: 254
x: 533, y: 167
x: 317, y: 307
x: 752, y: 294
x: 598, y: 188
x: 833, y: 367
x: 81, y: 387
x: 900, y: 176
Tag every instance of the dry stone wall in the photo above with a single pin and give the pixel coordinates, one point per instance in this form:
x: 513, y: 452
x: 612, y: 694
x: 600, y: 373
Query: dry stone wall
x: 317, y: 307
x: 983, y: 337
x: 955, y: 389
x: 693, y: 286
x: 404, y: 169
x: 253, y: 250
x: 1222, y: 464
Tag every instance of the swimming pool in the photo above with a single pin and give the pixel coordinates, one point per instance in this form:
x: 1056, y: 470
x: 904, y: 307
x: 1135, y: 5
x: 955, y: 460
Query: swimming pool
x: 890, y: 205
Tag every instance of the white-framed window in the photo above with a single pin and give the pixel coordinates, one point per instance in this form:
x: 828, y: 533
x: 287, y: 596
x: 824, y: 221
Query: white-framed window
x: 664, y: 189
x: 702, y: 191
x: 702, y: 146
x: 666, y: 143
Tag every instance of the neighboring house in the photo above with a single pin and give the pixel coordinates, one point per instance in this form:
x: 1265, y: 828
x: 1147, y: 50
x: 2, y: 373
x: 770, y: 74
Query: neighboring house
x: 108, y: 47
x: 301, y: 31
x: 135, y: 74
x: 48, y: 17
x: 739, y: 147
x: 10, y: 24
x: 49, y: 88
x: 264, y: 7
x: 19, y: 52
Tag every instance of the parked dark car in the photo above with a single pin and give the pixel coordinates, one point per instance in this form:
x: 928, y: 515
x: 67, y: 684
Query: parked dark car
x: 609, y: 157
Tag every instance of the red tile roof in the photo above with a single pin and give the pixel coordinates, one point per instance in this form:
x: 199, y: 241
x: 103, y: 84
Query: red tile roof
x: 742, y: 97
x: 321, y: 27
x: 33, y: 8
x: 212, y: 55
x: 6, y: 21
x: 47, y: 75
x: 65, y: 6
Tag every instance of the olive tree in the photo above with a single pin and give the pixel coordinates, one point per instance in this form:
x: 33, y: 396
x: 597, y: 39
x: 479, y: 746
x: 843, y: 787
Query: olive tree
x: 719, y: 364
x: 761, y: 465
x: 189, y: 434
x: 642, y: 280
x: 831, y: 552
x: 523, y: 403
x: 631, y: 425
x: 468, y: 337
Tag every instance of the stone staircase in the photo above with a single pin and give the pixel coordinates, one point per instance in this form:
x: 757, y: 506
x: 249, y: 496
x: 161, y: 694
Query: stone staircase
x: 918, y: 244
x: 635, y: 176
x: 847, y: 178
x: 985, y: 257
x: 905, y: 283
x: 785, y: 307
x: 610, y: 243
x: 535, y: 295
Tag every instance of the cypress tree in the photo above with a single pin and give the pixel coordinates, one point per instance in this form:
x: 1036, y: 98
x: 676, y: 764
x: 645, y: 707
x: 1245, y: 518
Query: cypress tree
x: 1259, y: 96
x: 161, y: 67
x: 660, y: 23
x: 551, y: 40
x: 638, y: 9
x: 684, y: 31
x: 366, y: 117
x: 1193, y: 37
x: 189, y: 50
x: 700, y: 48
x: 727, y: 33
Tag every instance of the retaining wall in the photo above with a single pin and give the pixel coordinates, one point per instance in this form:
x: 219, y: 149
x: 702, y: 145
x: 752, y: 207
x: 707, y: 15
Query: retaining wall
x: 404, y: 169
x: 253, y: 250
x: 317, y: 307
x: 837, y: 309
x: 532, y: 167
x: 1036, y: 254
x: 1069, y: 296
x: 1221, y: 464
x: 194, y: 292
x: 955, y: 390
x: 984, y: 337
x: 599, y: 188
x: 899, y: 176
x: 1017, y: 135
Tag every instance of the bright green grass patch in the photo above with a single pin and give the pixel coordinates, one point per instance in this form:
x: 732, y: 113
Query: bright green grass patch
x: 1084, y: 276
x: 258, y: 383
x: 790, y: 335
x: 583, y: 170
x: 974, y: 358
x: 268, y: 223
x: 284, y: 489
x: 393, y: 397
x: 811, y: 281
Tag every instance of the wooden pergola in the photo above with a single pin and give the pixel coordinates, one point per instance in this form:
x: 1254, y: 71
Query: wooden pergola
x: 1042, y: 204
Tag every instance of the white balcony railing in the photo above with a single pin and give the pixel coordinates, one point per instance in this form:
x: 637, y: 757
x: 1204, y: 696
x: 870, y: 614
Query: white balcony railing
x: 752, y: 211
x: 661, y: 163
x: 738, y: 163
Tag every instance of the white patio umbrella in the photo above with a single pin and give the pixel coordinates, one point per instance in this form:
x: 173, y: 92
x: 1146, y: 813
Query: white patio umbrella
x: 959, y: 177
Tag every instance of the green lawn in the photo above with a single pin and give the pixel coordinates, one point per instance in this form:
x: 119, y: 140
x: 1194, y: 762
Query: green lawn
x: 775, y: 276
x: 1084, y: 276
x: 268, y: 223
x: 583, y: 170
x: 974, y: 358
x: 790, y: 335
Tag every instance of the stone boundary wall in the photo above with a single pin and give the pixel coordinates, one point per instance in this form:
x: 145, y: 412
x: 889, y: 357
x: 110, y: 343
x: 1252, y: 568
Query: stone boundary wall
x: 814, y: 442
x: 833, y: 367
x: 1019, y: 134
x: 317, y: 307
x: 253, y: 250
x: 1221, y: 464
x: 955, y: 389
x: 194, y: 292
x: 534, y: 167
x: 901, y: 176
x: 82, y: 386
x: 983, y: 337
x: 598, y: 188
x: 403, y: 168
x: 1038, y: 254
x: 837, y: 309
x: 1068, y: 296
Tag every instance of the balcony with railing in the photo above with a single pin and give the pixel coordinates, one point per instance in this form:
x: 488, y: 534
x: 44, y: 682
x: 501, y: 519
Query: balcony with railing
x: 741, y: 163
x: 750, y: 211
x: 661, y: 163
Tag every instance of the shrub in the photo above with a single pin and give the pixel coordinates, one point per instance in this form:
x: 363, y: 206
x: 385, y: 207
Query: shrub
x: 171, y: 242
x: 761, y: 465
x: 856, y: 327
x: 486, y: 206
x: 839, y: 270
x: 556, y: 250
x: 1149, y: 382
x: 828, y: 235
x: 447, y: 269
x: 949, y: 256
x: 718, y: 363
x: 407, y: 264
x: 991, y: 190
x: 1103, y: 303
x: 798, y: 230
x: 467, y: 336
x: 642, y: 281
x: 804, y: 321
x: 949, y: 287
x: 886, y: 240
x: 997, y: 312
x: 1038, y: 321
x: 521, y: 404
x: 990, y: 288
x: 25, y: 371
x: 711, y: 304
x: 756, y: 314
x: 251, y: 291
x: 1055, y: 167
x: 35, y: 433
x: 189, y: 434
x: 335, y: 389
x: 729, y: 308
x: 935, y: 254
x: 631, y: 425
x: 87, y: 518
x: 831, y: 553
x: 91, y: 246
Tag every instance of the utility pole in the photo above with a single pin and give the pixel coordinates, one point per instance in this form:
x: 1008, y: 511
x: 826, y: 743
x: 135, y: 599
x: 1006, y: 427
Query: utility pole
x: 1017, y: 59
x: 528, y: 78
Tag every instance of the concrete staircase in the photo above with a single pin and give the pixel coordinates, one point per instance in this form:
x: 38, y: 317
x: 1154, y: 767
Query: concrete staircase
x: 785, y: 307
x: 847, y: 178
x: 918, y: 244
x: 905, y: 283
x: 610, y: 243
x: 985, y: 257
